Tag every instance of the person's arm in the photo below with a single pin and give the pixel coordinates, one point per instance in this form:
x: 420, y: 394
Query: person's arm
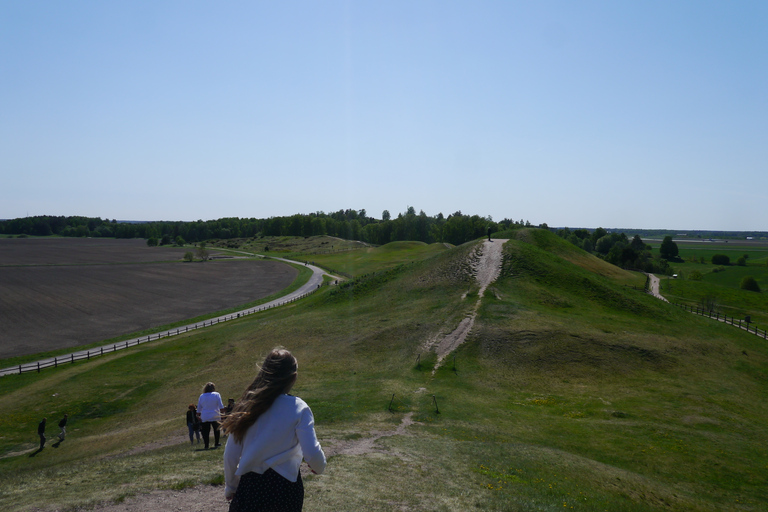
x: 310, y: 446
x: 232, y: 452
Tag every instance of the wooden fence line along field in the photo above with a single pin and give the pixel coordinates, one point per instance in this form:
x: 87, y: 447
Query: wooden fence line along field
x: 312, y: 285
x: 724, y: 318
x: 88, y: 354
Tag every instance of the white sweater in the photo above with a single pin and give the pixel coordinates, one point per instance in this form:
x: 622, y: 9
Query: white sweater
x: 279, y: 439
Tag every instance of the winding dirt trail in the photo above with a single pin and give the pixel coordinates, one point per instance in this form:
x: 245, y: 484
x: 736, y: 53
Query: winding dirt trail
x: 486, y: 264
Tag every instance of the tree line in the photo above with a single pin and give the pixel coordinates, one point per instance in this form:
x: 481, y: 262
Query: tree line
x: 618, y: 249
x: 457, y: 228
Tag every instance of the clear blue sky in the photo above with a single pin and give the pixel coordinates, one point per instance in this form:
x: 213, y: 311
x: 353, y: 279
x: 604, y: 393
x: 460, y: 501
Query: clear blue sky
x: 648, y: 114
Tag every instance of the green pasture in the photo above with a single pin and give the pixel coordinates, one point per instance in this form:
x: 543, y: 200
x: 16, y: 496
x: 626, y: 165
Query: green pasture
x: 573, y: 391
x: 721, y: 284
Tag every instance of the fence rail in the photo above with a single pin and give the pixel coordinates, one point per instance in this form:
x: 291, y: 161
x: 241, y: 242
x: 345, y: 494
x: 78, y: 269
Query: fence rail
x: 88, y: 354
x: 737, y: 322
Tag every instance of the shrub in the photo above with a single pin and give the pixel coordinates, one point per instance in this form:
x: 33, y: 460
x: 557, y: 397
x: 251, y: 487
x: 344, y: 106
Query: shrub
x: 695, y: 275
x: 720, y: 259
x: 742, y: 262
x: 749, y: 283
x: 189, y: 256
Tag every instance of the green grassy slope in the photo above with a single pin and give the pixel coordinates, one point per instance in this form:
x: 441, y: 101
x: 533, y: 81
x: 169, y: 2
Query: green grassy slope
x: 573, y: 391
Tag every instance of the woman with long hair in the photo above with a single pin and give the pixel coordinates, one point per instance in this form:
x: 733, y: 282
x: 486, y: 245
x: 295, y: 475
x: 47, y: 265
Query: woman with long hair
x: 270, y: 432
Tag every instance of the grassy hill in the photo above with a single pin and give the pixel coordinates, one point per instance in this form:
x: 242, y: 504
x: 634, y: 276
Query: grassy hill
x: 575, y: 390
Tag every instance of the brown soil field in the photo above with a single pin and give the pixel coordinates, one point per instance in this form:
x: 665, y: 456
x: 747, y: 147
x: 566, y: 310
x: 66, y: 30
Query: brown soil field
x: 66, y: 292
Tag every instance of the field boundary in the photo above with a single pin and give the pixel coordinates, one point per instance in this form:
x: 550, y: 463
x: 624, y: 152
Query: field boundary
x: 311, y: 286
x: 741, y: 324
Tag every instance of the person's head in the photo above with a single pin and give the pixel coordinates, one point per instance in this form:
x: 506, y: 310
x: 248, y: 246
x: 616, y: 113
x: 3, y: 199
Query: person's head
x: 278, y: 372
x: 192, y: 407
x: 65, y: 415
x: 276, y: 376
x: 209, y: 387
x: 231, y: 401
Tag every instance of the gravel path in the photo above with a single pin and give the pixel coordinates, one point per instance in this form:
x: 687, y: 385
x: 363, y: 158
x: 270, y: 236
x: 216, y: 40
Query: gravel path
x: 486, y: 263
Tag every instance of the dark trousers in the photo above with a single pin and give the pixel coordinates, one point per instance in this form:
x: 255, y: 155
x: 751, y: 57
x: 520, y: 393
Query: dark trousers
x: 267, y: 492
x: 42, y: 441
x: 207, y: 432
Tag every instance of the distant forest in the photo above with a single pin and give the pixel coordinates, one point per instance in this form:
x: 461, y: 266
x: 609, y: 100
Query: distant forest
x: 456, y: 228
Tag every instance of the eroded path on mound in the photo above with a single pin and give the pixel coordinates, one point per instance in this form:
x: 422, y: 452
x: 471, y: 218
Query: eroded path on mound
x: 486, y: 264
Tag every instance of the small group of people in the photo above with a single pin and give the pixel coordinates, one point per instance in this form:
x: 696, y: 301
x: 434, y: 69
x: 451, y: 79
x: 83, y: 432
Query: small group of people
x: 62, y: 429
x: 269, y: 432
x: 207, y: 416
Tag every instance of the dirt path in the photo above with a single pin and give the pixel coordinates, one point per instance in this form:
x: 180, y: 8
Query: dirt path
x: 210, y: 498
x: 656, y: 287
x: 486, y: 264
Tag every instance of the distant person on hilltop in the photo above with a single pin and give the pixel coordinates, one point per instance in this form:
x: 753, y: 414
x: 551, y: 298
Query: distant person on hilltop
x: 210, y: 408
x: 269, y: 433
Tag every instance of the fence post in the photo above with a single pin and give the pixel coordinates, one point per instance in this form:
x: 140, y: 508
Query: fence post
x: 55, y: 362
x: 390, y: 403
x: 437, y: 410
x: 88, y: 355
x: 73, y: 357
x: 38, y: 367
x: 19, y: 369
x: 102, y: 350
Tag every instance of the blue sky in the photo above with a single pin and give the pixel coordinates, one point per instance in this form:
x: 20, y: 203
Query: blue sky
x: 581, y: 114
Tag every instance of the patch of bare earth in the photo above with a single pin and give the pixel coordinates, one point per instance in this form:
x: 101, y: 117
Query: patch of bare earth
x: 486, y: 263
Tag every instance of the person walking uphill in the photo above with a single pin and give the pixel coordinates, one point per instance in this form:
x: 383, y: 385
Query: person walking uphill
x: 63, y: 427
x: 41, y: 432
x: 269, y: 433
x: 210, y: 408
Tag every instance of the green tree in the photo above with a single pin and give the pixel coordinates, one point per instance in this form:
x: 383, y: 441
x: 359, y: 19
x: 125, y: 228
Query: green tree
x: 152, y: 241
x: 668, y: 249
x: 180, y: 241
x: 189, y: 256
x: 749, y: 283
x: 202, y: 252
x: 637, y: 244
x: 721, y: 259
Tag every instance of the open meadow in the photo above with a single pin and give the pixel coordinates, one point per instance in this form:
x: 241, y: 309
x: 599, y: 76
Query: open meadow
x: 700, y: 282
x: 574, y: 390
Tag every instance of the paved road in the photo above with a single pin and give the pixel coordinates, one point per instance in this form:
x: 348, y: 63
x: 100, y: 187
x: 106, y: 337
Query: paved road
x: 313, y: 284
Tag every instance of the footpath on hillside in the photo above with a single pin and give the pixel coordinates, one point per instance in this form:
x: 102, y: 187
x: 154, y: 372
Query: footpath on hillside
x: 486, y: 264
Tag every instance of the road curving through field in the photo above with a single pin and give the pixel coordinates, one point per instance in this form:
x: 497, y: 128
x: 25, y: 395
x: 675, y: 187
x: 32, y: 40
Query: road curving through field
x: 314, y: 282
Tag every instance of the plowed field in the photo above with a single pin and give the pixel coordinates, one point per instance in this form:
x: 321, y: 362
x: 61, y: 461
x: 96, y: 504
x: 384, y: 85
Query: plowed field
x: 66, y: 292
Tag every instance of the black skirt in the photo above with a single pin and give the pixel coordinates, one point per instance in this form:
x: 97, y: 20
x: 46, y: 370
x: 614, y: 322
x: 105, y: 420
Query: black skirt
x: 269, y: 492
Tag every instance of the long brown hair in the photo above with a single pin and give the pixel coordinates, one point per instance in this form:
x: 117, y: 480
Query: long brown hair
x: 275, y: 377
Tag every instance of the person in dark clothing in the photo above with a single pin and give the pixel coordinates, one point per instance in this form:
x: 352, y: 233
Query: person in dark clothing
x: 193, y: 424
x: 63, y: 427
x: 41, y: 432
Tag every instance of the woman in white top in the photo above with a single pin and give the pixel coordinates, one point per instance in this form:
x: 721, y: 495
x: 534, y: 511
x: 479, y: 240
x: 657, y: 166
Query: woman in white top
x: 209, y: 407
x: 270, y: 432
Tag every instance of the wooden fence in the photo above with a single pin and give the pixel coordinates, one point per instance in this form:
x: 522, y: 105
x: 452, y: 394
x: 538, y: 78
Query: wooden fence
x: 88, y: 354
x: 737, y: 322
